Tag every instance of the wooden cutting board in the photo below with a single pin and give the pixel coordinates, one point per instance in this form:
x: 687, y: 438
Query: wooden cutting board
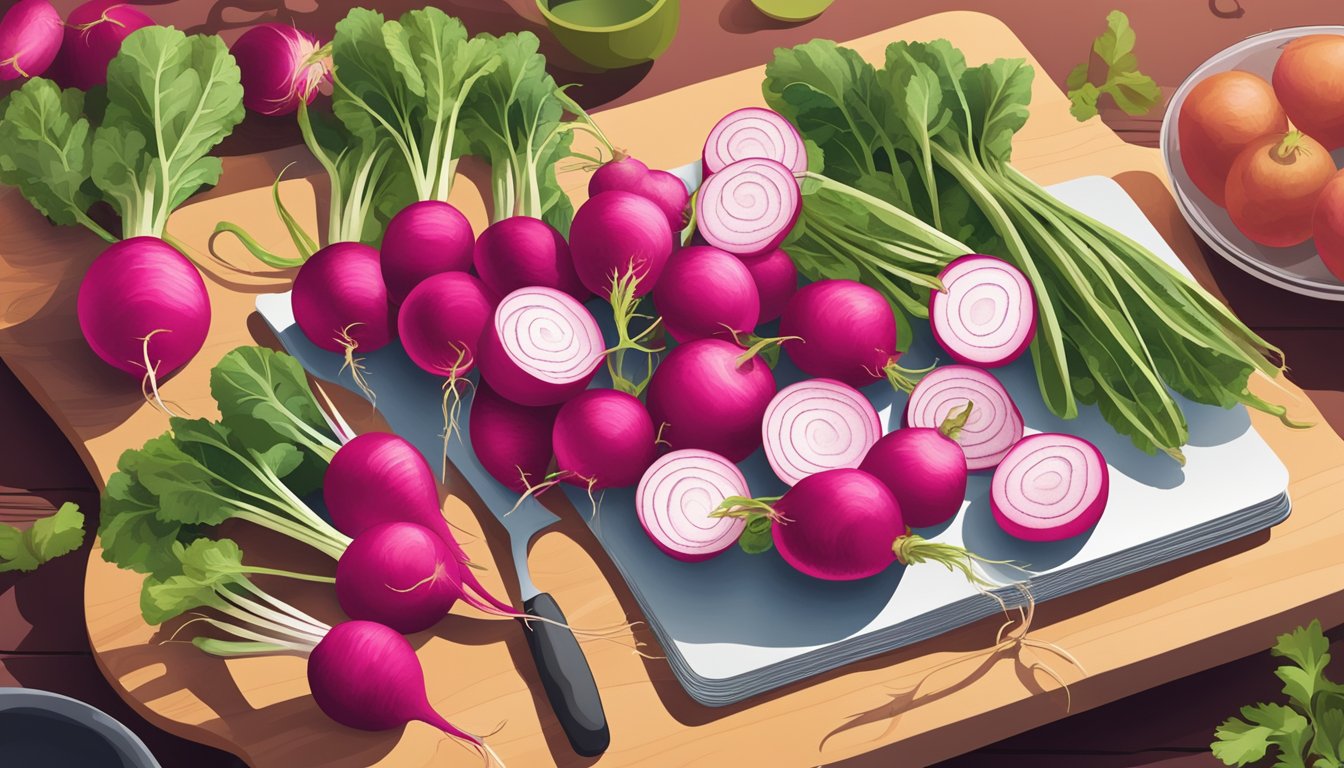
x: 1129, y: 635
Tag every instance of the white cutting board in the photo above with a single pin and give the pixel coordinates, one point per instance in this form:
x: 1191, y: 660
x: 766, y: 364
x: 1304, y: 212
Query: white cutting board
x: 738, y: 625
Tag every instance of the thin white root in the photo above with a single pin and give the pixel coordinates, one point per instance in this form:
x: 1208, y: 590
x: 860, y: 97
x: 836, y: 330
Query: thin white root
x: 354, y: 364
x: 149, y: 385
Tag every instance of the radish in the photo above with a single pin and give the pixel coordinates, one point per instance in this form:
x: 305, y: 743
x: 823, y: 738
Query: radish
x: 749, y: 207
x: 622, y: 173
x: 144, y: 309
x: 542, y: 348
x: 986, y: 313
x: 398, y: 574
x: 626, y: 174
x: 603, y: 439
x: 30, y: 36
x: 619, y: 236
x: 282, y: 67
x: 93, y: 35
x: 706, y: 292
x: 512, y: 442
x: 521, y: 252
x: 816, y: 425
x: 340, y: 303
x: 365, y: 675
x: 753, y: 132
x: 844, y: 330
x: 1050, y: 487
x: 844, y: 524
x: 670, y: 195
x: 925, y: 469
x: 776, y: 279
x: 993, y: 426
x: 425, y: 238
x: 712, y: 395
x: 676, y: 498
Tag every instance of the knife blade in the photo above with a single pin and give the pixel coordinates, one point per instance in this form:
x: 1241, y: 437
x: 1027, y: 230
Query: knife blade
x: 408, y: 395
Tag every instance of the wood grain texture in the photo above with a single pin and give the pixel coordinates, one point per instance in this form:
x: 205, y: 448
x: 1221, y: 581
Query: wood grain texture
x: 1130, y: 634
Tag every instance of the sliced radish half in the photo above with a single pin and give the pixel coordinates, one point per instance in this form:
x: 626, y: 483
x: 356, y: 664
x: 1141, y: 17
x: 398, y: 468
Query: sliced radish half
x: 1050, y: 487
x: 675, y: 500
x: 986, y: 313
x: 748, y: 208
x: 995, y: 424
x: 754, y: 132
x: 542, y: 348
x: 816, y: 425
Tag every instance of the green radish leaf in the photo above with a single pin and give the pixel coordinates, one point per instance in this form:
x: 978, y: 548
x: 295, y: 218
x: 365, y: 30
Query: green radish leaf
x: 48, y: 538
x: 755, y: 537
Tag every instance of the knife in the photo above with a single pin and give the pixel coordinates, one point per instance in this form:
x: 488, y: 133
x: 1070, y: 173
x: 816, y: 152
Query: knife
x: 408, y: 394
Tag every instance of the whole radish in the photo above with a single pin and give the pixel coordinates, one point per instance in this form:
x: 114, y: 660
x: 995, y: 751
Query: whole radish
x: 626, y: 174
x: 844, y: 330
x: 340, y: 302
x: 30, y: 36
x: 706, y: 292
x: 523, y: 252
x: 424, y: 238
x: 925, y: 469
x: 93, y: 35
x: 776, y: 279
x: 711, y: 394
x: 512, y: 442
x: 622, y: 173
x: 282, y: 67
x: 441, y: 321
x: 603, y: 439
x: 619, y: 236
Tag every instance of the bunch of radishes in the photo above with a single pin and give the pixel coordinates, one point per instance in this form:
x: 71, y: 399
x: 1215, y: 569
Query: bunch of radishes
x: 74, y: 52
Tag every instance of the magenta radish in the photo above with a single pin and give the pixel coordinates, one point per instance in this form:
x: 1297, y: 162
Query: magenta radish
x: 541, y: 348
x: 282, y: 68
x: 676, y: 500
x: 366, y: 675
x: 441, y: 321
x: 986, y: 313
x: 753, y: 132
x: 1050, y: 487
x: 749, y: 207
x: 843, y: 330
x: 512, y: 442
x: 712, y: 395
x: 924, y: 469
x: 30, y: 36
x: 340, y: 302
x: 626, y: 174
x: 523, y: 252
x: 776, y: 279
x: 816, y: 425
x: 143, y: 308
x: 603, y: 438
x: 425, y: 238
x: 992, y: 428
x: 93, y: 35
x: 398, y: 574
x: 619, y: 236
x: 706, y: 292
x: 844, y: 524
x: 622, y: 173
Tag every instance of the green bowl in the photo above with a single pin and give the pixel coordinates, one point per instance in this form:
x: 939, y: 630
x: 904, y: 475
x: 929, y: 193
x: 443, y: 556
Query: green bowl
x: 613, y: 33
x: 792, y: 10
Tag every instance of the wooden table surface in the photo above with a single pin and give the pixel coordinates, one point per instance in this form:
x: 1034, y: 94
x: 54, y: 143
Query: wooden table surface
x: 42, y: 641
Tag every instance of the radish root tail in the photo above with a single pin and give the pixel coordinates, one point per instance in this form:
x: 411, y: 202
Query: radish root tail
x: 149, y: 385
x: 355, y: 364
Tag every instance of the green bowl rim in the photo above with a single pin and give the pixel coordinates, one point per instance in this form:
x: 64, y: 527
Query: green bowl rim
x: 545, y: 8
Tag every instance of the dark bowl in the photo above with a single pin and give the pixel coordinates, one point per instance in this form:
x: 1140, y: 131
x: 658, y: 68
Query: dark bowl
x: 42, y: 728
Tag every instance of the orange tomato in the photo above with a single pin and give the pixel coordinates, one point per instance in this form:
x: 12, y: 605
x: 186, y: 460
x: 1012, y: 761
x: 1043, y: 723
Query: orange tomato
x: 1219, y: 117
x: 1327, y: 225
x: 1309, y: 81
x: 1273, y: 186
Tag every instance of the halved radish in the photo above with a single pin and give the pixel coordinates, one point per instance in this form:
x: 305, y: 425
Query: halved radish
x: 753, y: 132
x: 986, y: 313
x: 1050, y: 487
x: 675, y: 500
x: 995, y: 424
x: 816, y: 425
x: 748, y: 208
x: 542, y: 348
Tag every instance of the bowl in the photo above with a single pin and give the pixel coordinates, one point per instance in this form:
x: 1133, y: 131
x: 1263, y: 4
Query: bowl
x: 43, y: 728
x: 1298, y: 269
x: 612, y: 34
x: 792, y: 10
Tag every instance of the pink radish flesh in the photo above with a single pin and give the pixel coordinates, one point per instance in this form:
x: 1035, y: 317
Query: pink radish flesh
x: 340, y: 299
x: 995, y: 424
x: 816, y: 425
x: 143, y: 308
x: 93, y: 35
x: 512, y: 442
x: 425, y: 238
x: 749, y: 207
x: 776, y: 280
x: 603, y: 439
x: 705, y: 397
x: 754, y: 132
x: 398, y: 574
x: 1050, y: 487
x: 986, y: 313
x: 30, y: 37
x: 442, y: 320
x: 676, y: 498
x: 706, y: 292
x: 522, y: 252
x: 616, y: 234
x: 845, y: 330
x: 542, y: 348
x: 924, y: 470
x: 839, y: 525
x: 280, y: 68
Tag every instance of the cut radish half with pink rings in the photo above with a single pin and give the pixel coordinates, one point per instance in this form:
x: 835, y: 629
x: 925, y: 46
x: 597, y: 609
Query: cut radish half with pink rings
x: 986, y: 313
x: 542, y: 348
x: 676, y: 499
x: 754, y: 132
x: 816, y: 425
x: 1050, y: 487
x: 994, y: 426
x: 748, y: 207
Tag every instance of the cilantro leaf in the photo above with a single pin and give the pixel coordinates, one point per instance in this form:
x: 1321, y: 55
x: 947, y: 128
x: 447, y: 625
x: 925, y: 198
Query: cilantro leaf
x: 48, y: 538
x: 1242, y: 742
x: 1132, y: 91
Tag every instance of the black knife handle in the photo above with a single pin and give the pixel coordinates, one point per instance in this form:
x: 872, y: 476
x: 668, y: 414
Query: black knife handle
x: 568, y: 680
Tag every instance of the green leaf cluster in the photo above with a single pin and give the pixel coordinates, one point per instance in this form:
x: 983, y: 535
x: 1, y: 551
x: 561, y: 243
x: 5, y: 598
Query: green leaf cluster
x: 48, y: 538
x: 1130, y: 89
